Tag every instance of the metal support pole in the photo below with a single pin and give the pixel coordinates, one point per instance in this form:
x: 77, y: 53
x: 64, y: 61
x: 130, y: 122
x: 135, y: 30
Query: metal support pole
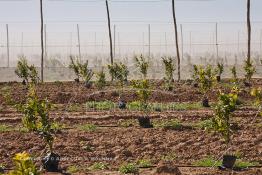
x: 7, y: 45
x: 216, y: 41
x: 261, y: 43
x: 182, y: 42
x: 45, y: 42
x: 149, y: 40
x: 22, y: 43
x: 190, y: 44
x: 79, y: 46
x: 114, y: 40
x: 165, y: 42
x: 95, y: 43
x: 238, y: 42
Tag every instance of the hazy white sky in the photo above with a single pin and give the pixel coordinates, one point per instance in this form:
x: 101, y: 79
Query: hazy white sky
x: 82, y: 10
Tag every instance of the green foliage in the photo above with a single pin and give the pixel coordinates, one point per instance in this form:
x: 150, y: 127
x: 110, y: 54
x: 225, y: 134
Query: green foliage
x: 119, y: 72
x: 81, y: 69
x: 144, y: 163
x: 223, y: 110
x: 100, y: 105
x: 249, y: 69
x: 172, y: 124
x: 206, y: 125
x: 234, y: 74
x: 36, y: 116
x: 98, y: 166
x: 26, y: 72
x: 142, y: 91
x: 245, y: 164
x: 142, y: 65
x: 74, y: 66
x: 88, y: 127
x: 73, y: 169
x: 206, y: 78
x: 169, y: 64
x: 6, y: 93
x: 207, y: 162
x: 220, y: 68
x: 128, y: 168
x: 257, y: 94
x: 101, y: 79
x: 4, y: 128
x: 127, y: 123
x: 195, y: 74
x: 23, y: 165
x: 85, y: 72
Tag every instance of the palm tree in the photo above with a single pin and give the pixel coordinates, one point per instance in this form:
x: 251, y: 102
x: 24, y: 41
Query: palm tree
x: 176, y: 35
x: 42, y: 42
x: 249, y: 33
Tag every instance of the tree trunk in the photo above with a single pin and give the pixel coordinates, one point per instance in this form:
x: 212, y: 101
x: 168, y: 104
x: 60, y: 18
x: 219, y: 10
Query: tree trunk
x: 249, y: 33
x: 42, y: 42
x: 110, y: 34
x: 176, y: 35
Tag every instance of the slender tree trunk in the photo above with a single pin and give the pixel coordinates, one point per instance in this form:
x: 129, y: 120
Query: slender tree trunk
x: 42, y: 42
x: 176, y: 35
x: 110, y: 34
x: 249, y: 33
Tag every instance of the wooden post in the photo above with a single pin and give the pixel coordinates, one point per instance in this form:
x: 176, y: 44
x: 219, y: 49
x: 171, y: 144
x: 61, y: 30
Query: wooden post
x: 79, y: 46
x: 45, y: 42
x: 176, y: 35
x: 217, y: 42
x: 182, y: 42
x: 149, y: 40
x: 249, y: 33
x: 42, y: 41
x: 114, y: 41
x: 7, y: 45
x: 109, y: 33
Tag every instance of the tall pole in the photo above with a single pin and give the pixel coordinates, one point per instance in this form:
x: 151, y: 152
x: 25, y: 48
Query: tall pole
x: 261, y: 43
x: 42, y: 41
x: 149, y: 40
x: 238, y: 42
x: 114, y: 40
x: 143, y: 43
x: 22, y: 43
x: 109, y: 33
x: 176, y: 35
x: 79, y: 46
x: 165, y: 42
x: 249, y: 33
x: 182, y: 42
x: 7, y: 45
x: 45, y: 42
x: 217, y: 41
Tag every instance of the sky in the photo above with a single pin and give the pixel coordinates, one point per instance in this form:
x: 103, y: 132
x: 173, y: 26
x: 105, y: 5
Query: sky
x: 131, y: 18
x: 154, y: 10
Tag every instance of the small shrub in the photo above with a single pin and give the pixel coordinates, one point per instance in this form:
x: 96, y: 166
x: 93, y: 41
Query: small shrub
x: 250, y: 70
x: 102, y: 105
x: 142, y: 65
x: 207, y: 162
x: 223, y: 111
x: 88, y: 127
x: 101, y: 79
x: 220, y: 69
x: 36, y: 117
x: 26, y: 72
x: 144, y: 163
x: 244, y: 164
x: 128, y: 168
x: 169, y: 71
x: 127, y: 123
x: 74, y: 66
x: 172, y: 124
x: 98, y: 166
x: 4, y: 128
x: 73, y: 169
x: 23, y: 165
x: 206, y: 125
x: 142, y: 91
x: 234, y: 74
